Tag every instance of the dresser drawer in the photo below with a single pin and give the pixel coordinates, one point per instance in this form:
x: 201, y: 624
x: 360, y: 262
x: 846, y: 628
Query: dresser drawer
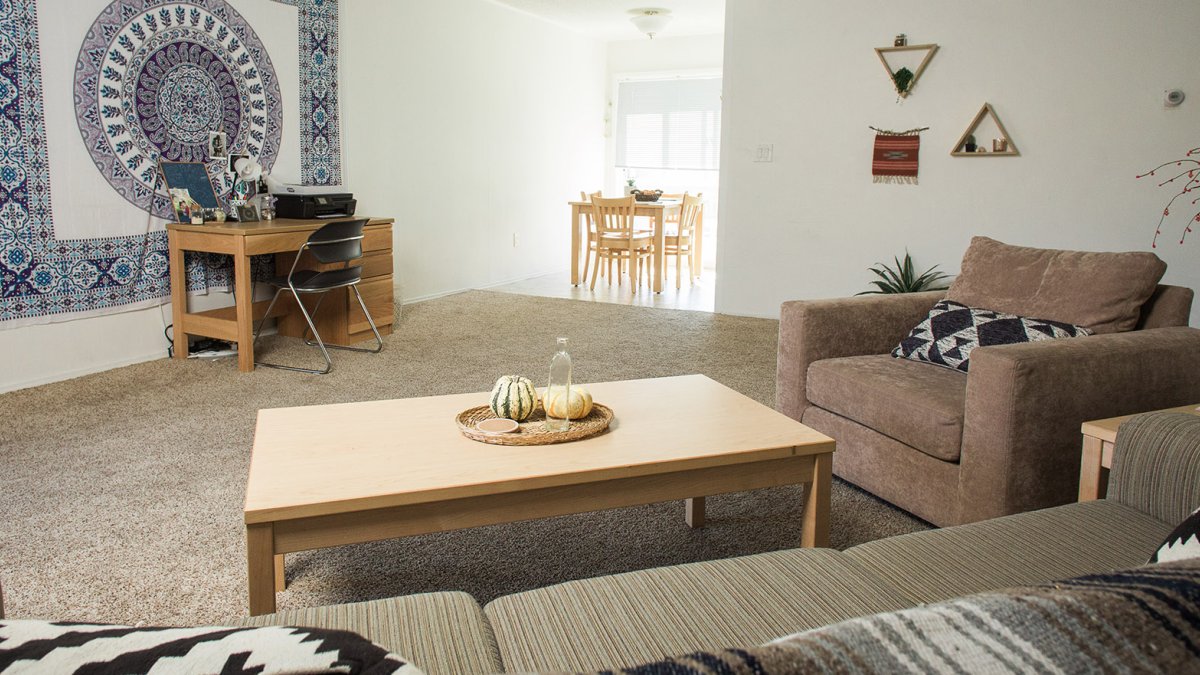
x: 377, y: 294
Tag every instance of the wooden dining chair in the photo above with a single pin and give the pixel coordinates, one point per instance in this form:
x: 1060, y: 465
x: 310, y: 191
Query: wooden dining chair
x: 617, y: 240
x: 679, y: 240
x: 592, y: 234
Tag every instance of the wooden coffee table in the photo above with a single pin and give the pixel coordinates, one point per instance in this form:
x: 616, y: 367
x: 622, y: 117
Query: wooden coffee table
x: 341, y: 474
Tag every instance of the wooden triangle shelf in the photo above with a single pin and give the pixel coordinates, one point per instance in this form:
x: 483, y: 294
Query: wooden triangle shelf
x: 882, y: 53
x: 959, y: 149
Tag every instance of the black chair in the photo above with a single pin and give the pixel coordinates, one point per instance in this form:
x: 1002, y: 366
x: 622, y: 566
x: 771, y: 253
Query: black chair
x: 338, y: 242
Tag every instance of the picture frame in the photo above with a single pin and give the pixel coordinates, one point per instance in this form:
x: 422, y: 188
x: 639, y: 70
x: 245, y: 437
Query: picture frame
x: 247, y: 213
x: 218, y: 145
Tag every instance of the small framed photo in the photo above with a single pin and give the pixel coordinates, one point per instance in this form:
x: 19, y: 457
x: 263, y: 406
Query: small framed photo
x: 247, y: 213
x: 218, y: 147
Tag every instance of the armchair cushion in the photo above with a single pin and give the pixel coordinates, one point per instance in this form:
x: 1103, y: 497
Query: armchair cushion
x: 1103, y: 292
x: 917, y: 405
x: 953, y: 330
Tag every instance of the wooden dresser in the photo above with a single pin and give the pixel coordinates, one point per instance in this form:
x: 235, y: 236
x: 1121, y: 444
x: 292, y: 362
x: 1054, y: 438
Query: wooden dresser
x: 341, y: 321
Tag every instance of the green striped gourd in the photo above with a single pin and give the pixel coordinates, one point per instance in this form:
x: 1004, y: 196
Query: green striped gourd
x: 513, y: 397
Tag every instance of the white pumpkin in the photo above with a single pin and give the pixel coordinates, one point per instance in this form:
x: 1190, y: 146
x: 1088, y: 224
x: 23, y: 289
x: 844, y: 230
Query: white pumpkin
x: 556, y: 404
x: 513, y: 397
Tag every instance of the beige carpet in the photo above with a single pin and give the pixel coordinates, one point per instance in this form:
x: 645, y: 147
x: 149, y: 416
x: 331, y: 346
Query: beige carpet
x: 122, y: 491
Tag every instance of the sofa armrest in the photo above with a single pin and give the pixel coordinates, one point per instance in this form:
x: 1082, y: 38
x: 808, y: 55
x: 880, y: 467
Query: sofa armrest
x: 1026, y: 402
x: 811, y: 330
x: 1156, y: 465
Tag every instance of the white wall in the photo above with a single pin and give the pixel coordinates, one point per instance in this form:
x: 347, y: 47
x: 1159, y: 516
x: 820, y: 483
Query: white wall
x: 1078, y: 84
x: 469, y: 122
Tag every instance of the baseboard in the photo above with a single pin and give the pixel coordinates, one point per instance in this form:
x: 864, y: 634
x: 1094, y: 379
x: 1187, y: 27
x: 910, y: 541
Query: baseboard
x: 80, y: 372
x: 442, y: 294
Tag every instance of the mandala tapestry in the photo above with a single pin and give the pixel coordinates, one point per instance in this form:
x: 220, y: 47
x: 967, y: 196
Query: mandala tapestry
x: 155, y: 76
x: 151, y: 75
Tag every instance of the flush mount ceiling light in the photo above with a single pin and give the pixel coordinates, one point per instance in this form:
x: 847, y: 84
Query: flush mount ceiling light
x: 650, y: 21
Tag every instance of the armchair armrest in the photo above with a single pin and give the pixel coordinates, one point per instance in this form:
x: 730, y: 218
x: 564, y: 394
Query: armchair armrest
x: 811, y: 330
x: 1156, y: 465
x: 1025, y: 403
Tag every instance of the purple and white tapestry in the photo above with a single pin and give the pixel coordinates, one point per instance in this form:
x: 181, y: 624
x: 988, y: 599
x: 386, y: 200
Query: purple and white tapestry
x: 144, y: 80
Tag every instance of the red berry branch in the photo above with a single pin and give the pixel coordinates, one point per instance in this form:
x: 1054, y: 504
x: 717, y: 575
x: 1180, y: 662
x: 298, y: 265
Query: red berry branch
x: 1192, y: 182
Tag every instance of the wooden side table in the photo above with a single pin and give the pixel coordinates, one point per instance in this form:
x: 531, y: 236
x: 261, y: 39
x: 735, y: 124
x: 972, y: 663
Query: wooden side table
x: 1099, y: 437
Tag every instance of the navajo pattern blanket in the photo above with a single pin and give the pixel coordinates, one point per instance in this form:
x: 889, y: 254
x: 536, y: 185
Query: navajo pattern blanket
x: 1145, y: 620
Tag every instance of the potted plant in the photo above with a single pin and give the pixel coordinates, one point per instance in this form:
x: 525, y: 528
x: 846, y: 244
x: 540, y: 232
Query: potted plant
x: 904, y: 278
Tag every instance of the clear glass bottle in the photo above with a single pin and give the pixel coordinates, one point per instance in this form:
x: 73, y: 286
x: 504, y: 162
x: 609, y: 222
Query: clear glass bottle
x: 559, y: 388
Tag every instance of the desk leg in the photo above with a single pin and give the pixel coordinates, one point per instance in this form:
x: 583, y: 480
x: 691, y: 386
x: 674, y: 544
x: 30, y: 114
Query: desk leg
x: 178, y: 295
x: 693, y: 511
x: 260, y: 556
x: 1090, y: 472
x: 243, y: 296
x: 576, y: 248
x: 658, y: 256
x: 815, y: 532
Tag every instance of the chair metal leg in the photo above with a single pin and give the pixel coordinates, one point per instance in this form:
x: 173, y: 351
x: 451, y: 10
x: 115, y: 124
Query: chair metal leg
x: 324, y: 352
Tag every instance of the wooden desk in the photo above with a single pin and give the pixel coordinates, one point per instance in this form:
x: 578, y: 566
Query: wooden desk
x: 656, y: 212
x: 346, y: 473
x: 1099, y: 438
x: 242, y: 240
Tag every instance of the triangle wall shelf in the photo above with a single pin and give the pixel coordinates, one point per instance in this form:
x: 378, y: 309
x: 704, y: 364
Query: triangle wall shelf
x: 882, y: 53
x: 987, y: 111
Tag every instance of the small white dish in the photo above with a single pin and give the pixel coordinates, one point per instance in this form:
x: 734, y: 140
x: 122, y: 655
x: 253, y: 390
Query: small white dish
x: 497, y: 425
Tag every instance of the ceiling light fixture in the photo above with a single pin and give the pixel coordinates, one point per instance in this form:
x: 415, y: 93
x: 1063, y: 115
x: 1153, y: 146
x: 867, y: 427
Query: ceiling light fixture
x: 650, y: 21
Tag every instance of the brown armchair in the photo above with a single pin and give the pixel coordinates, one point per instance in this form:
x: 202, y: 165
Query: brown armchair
x: 953, y: 447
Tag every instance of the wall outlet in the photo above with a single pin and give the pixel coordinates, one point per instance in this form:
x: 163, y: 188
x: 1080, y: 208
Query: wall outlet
x: 765, y: 152
x: 515, y: 240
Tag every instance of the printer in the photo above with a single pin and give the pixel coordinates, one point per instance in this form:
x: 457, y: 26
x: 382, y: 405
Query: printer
x: 312, y: 201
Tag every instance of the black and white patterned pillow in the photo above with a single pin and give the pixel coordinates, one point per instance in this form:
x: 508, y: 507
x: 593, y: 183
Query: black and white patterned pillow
x: 953, y: 330
x: 54, y: 647
x: 1182, y: 543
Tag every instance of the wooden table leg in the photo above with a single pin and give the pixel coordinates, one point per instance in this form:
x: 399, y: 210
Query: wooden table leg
x: 693, y: 511
x: 658, y: 257
x: 280, y: 577
x: 1089, y: 470
x: 178, y: 295
x: 243, y: 296
x: 575, y: 244
x: 260, y: 554
x: 815, y: 532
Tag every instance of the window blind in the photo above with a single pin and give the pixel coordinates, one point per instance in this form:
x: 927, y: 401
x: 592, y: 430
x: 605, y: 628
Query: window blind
x: 669, y: 124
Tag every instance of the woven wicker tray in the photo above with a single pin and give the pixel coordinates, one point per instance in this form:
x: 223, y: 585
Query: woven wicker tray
x: 532, y: 431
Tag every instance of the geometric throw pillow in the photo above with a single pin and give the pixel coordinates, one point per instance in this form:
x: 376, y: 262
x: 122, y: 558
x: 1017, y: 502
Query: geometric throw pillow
x: 952, y: 331
x: 1182, y: 543
x: 57, y: 647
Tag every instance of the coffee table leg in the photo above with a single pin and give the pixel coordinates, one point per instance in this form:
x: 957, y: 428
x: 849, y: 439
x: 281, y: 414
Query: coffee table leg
x: 260, y: 555
x: 280, y: 577
x: 816, y: 509
x: 693, y: 511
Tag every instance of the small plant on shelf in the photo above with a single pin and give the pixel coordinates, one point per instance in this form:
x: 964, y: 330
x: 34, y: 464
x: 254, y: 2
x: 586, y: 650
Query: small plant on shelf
x: 1191, y: 178
x: 904, y: 278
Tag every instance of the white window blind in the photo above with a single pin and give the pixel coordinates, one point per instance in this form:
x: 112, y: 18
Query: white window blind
x: 669, y: 124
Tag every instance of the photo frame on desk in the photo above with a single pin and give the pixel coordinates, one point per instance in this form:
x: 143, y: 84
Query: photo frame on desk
x: 193, y: 177
x: 246, y: 213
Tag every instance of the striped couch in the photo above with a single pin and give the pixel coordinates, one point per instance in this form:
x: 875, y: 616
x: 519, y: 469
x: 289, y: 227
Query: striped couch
x: 626, y: 619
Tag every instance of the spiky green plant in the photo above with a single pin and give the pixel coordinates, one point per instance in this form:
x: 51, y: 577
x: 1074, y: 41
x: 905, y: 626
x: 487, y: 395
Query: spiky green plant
x: 904, y: 279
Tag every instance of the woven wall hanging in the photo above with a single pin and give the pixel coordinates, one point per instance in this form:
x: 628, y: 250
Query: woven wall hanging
x: 896, y: 155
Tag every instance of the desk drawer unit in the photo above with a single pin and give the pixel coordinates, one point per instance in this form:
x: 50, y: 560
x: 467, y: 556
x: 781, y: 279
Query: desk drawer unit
x: 341, y: 321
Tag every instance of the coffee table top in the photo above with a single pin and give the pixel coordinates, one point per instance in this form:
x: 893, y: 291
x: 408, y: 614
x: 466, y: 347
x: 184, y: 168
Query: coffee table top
x: 326, y: 459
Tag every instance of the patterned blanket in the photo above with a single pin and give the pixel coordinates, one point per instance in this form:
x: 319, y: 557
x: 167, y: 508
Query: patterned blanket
x: 1145, y: 620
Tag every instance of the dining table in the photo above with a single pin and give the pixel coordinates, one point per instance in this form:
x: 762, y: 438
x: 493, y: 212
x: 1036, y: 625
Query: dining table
x: 657, y: 212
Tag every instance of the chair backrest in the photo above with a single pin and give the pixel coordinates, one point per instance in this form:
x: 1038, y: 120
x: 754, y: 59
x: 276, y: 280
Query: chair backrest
x: 337, y: 242
x: 613, y: 216
x: 587, y: 213
x: 689, y: 212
